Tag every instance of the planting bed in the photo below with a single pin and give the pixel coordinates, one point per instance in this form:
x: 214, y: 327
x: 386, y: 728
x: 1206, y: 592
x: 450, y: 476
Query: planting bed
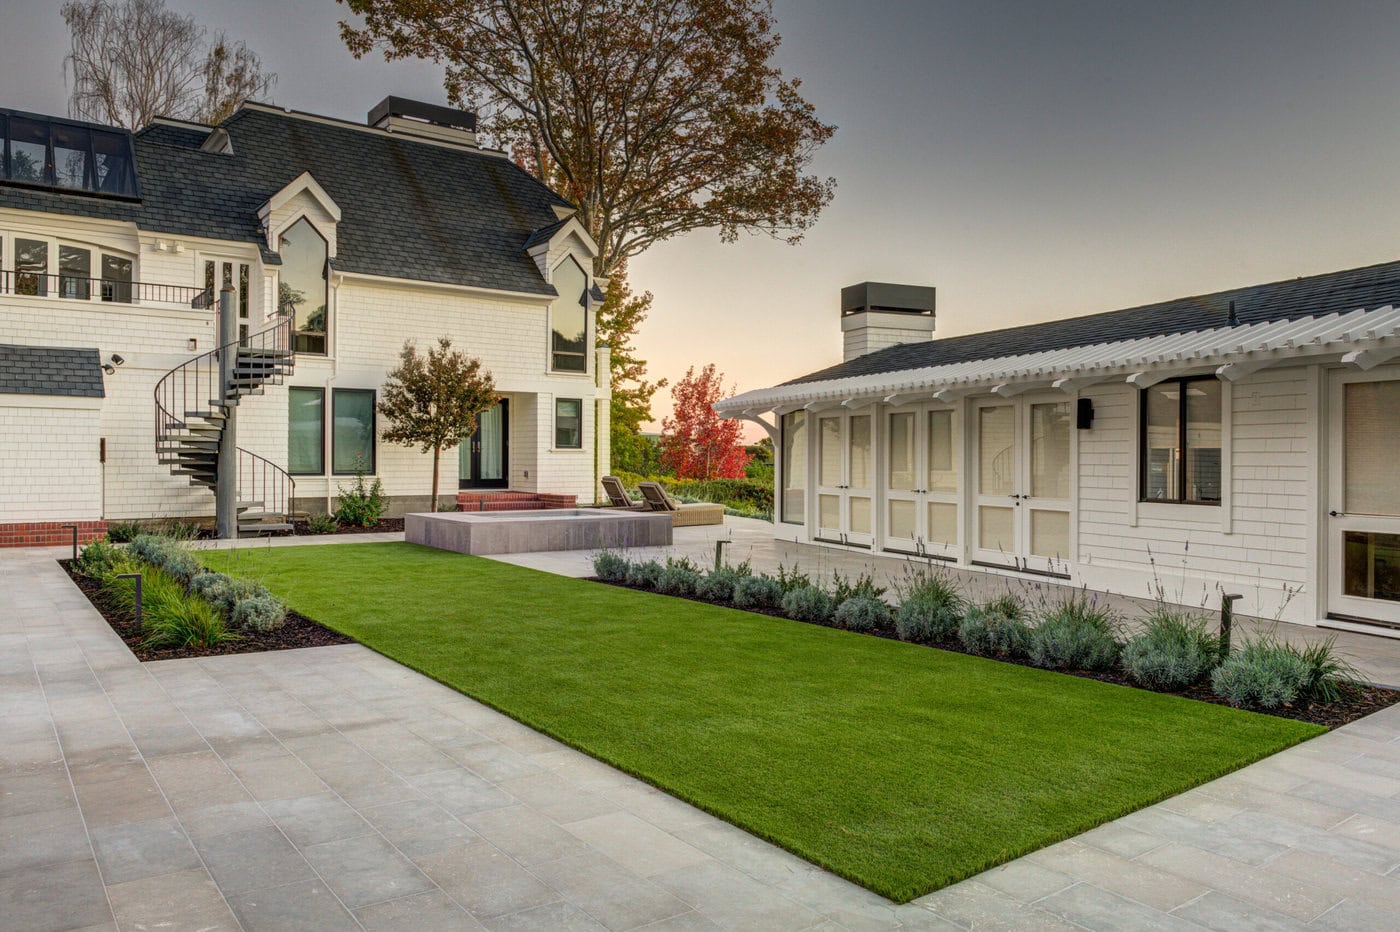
x: 1357, y: 702
x: 296, y: 631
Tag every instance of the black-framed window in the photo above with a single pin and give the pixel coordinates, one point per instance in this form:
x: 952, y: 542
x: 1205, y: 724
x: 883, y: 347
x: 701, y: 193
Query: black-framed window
x: 1179, y: 442
x: 56, y: 153
x: 352, y: 431
x: 568, y: 319
x: 568, y: 423
x: 306, y: 431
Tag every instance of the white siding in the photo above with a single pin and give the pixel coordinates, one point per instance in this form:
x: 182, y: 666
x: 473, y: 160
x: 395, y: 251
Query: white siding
x: 49, y: 464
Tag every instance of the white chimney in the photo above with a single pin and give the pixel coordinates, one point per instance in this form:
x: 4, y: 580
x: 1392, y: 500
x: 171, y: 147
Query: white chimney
x: 425, y: 121
x: 876, y: 315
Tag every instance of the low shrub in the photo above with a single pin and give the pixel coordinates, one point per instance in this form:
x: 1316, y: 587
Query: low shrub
x: 718, y: 585
x: 678, y: 579
x: 809, y: 603
x: 862, y: 587
x: 1328, y: 674
x: 645, y: 575
x: 171, y: 617
x: 862, y: 613
x: 929, y: 608
x: 760, y: 592
x: 234, y: 590
x: 94, y: 559
x: 167, y: 553
x: 261, y: 613
x: 322, y: 523
x: 610, y: 566
x: 1174, y: 650
x: 991, y: 632
x: 362, y: 505
x: 1006, y: 604
x: 175, y: 529
x: 210, y: 585
x: 1075, y: 634
x: 1261, y: 675
x: 123, y: 532
x: 792, y: 579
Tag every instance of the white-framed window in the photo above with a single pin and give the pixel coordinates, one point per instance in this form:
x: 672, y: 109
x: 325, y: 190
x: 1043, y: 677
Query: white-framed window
x: 568, y: 423
x: 41, y: 266
x: 302, y: 284
x: 568, y: 318
x: 215, y: 272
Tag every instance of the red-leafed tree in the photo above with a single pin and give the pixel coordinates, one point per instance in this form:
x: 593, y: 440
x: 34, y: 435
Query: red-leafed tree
x: 695, y: 441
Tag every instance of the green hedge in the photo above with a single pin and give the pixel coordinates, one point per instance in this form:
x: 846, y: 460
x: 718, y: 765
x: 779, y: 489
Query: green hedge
x: 744, y: 496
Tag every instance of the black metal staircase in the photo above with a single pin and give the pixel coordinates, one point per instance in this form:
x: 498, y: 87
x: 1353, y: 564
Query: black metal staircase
x: 193, y: 402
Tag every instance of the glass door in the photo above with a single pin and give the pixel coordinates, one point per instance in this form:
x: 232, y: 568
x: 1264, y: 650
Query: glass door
x: 845, y: 479
x: 1363, y: 519
x: 483, y: 461
x: 922, y: 482
x: 996, y: 502
x: 1044, y: 505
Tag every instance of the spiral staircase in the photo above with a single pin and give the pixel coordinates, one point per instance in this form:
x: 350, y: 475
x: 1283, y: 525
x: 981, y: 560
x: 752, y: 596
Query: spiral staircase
x: 194, y: 404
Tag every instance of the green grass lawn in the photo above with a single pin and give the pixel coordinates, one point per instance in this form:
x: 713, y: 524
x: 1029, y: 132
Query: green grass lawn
x: 899, y: 767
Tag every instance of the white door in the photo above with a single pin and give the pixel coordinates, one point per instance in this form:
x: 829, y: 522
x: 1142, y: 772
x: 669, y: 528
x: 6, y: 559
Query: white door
x: 845, y: 478
x: 996, y: 503
x: 922, y: 482
x: 1023, y: 459
x: 1363, y: 522
x: 1045, y: 488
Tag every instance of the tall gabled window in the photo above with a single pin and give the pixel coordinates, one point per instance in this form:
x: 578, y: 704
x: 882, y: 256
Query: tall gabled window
x: 568, y: 319
x: 1180, y: 441
x: 303, y: 284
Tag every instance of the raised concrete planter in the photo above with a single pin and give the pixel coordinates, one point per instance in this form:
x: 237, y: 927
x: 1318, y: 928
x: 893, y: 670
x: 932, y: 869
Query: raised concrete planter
x: 523, y: 531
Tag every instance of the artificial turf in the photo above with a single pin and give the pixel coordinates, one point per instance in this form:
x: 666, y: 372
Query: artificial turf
x: 899, y: 767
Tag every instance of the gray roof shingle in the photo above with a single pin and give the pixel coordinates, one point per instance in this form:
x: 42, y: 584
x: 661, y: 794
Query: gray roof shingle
x: 1372, y: 286
x: 50, y: 370
x: 409, y: 209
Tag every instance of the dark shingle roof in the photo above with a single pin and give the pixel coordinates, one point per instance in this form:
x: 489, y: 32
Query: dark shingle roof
x: 50, y: 370
x: 409, y: 209
x: 543, y: 234
x: 1370, y: 287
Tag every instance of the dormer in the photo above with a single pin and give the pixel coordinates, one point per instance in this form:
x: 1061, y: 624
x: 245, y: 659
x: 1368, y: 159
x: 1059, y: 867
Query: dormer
x: 303, y: 197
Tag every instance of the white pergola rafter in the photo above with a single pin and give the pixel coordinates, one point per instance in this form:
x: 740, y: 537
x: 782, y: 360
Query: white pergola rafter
x: 1362, y: 338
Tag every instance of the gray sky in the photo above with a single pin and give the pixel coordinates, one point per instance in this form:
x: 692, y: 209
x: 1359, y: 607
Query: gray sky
x: 1032, y: 160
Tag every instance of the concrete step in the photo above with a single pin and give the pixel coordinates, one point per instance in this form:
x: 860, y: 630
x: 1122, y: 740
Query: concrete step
x: 252, y: 530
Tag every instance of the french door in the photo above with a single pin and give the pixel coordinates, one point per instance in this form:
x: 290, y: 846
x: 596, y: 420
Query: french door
x: 845, y: 478
x: 1023, y: 472
x: 225, y: 273
x: 1363, y: 521
x: 483, y: 461
x: 921, y: 483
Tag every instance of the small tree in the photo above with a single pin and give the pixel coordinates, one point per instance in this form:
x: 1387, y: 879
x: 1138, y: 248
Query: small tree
x: 696, y: 442
x: 432, y: 401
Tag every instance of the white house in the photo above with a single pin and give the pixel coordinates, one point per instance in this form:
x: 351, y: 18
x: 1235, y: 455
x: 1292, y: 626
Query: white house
x: 1246, y: 441
x: 114, y: 249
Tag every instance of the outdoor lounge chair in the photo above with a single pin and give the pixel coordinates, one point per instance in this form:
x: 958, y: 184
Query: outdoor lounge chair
x: 617, y: 495
x: 691, y: 514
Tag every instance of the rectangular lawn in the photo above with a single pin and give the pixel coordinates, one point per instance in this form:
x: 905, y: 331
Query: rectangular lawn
x: 899, y: 767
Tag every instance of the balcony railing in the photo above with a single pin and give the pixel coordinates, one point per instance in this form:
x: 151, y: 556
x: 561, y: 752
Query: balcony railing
x: 77, y: 288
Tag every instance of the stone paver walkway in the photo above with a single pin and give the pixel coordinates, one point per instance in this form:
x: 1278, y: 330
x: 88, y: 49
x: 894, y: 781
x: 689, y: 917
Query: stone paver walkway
x: 332, y: 788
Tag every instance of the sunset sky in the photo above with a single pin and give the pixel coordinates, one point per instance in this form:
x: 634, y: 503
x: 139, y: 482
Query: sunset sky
x: 1031, y: 160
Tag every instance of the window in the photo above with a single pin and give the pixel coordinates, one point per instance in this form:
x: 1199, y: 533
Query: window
x: 74, y: 273
x: 568, y: 423
x: 306, y: 431
x: 1180, y: 442
x: 116, y: 279
x: 794, y: 467
x: 303, y: 284
x: 31, y: 266
x: 568, y: 319
x: 218, y: 274
x: 352, y: 432
x: 62, y: 154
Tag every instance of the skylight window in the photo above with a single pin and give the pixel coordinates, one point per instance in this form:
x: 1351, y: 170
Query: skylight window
x: 54, y: 153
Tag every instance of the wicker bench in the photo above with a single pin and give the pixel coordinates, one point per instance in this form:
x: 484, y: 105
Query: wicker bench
x: 683, y: 514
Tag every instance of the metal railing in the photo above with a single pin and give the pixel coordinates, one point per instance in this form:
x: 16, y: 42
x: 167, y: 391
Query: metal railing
x: 261, y: 480
x: 107, y: 290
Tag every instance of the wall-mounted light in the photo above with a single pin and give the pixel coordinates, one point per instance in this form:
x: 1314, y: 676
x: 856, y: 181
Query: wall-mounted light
x: 1085, y: 414
x: 117, y: 359
x: 192, y: 344
x: 108, y: 368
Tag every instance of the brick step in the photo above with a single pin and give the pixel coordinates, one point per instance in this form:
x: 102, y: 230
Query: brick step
x: 513, y: 501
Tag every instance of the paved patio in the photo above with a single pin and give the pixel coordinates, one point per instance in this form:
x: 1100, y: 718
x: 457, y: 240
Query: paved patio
x: 332, y: 788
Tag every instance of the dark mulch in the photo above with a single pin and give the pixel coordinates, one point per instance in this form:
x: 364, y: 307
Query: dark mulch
x: 300, y: 529
x: 1357, y: 702
x: 297, y: 631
